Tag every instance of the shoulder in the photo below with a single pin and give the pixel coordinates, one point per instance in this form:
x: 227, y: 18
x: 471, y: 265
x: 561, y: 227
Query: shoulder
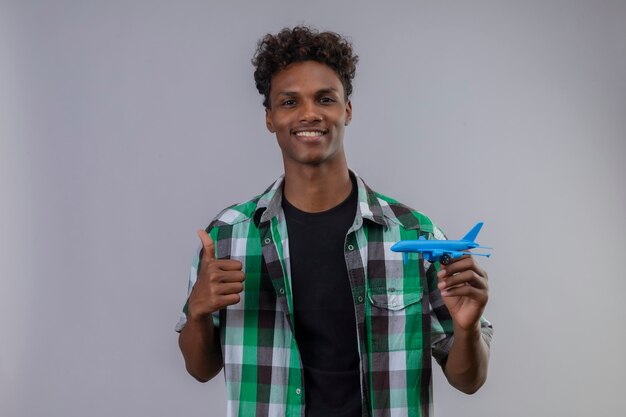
x: 401, y: 215
x: 251, y: 209
x: 237, y: 213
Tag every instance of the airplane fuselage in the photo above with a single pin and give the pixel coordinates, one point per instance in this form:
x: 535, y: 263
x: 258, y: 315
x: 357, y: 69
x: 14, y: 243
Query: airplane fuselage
x: 431, y: 245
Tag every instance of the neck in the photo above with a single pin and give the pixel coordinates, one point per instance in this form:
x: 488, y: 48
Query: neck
x: 317, y: 188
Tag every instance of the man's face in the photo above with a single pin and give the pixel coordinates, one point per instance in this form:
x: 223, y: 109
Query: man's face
x: 308, y: 114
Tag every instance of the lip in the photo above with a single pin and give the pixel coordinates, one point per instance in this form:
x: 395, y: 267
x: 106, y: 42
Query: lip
x: 309, y: 137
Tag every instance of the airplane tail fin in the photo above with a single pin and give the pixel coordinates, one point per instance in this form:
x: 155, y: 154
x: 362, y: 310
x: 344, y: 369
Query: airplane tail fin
x: 471, y: 235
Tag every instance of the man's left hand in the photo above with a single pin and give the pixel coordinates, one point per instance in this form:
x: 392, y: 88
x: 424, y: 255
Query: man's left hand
x: 463, y: 285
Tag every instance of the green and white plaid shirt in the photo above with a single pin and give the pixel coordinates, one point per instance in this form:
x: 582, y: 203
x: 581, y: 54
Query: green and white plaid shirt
x: 399, y: 314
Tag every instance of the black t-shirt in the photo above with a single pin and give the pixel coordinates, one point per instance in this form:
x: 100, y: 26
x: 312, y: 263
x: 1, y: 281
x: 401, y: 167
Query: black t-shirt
x: 324, y: 316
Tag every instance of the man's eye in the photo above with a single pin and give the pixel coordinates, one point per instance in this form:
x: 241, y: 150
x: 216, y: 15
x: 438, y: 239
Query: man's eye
x: 289, y: 102
x: 327, y: 100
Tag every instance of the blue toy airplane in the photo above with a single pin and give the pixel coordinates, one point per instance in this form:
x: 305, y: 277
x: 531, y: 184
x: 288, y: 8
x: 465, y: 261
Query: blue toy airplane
x: 442, y: 250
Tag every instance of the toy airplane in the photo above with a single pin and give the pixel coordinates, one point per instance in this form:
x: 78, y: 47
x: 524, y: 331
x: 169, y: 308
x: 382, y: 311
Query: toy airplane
x: 442, y: 250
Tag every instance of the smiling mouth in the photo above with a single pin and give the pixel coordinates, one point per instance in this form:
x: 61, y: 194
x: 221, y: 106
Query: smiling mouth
x: 310, y: 133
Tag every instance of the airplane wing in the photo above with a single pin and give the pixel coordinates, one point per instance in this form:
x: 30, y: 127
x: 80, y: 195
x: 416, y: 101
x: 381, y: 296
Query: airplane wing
x: 458, y: 254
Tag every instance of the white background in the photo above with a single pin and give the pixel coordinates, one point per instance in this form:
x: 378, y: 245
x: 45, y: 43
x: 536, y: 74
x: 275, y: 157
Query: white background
x: 126, y: 125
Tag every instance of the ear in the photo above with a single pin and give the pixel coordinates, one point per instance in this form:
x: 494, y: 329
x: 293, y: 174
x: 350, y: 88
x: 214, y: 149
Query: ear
x: 268, y: 120
x: 348, y: 112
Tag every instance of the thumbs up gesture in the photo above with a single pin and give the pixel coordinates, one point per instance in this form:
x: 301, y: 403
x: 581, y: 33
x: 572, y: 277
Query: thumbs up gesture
x: 219, y: 282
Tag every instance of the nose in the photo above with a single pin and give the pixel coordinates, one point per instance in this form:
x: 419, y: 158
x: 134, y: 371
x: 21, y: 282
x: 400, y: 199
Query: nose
x: 310, y: 112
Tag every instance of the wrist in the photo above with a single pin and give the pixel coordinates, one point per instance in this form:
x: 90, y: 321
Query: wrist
x: 200, y: 318
x: 471, y: 334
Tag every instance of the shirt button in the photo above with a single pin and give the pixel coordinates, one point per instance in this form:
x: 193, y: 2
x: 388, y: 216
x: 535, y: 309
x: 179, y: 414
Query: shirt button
x: 360, y: 299
x: 350, y: 247
x: 298, y: 391
x: 267, y: 240
x: 282, y: 291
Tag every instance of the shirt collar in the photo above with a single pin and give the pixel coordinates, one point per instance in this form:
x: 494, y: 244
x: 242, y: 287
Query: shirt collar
x: 269, y: 204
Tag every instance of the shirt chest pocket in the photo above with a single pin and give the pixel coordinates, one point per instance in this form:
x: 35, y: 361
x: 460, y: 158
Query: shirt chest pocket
x: 395, y: 319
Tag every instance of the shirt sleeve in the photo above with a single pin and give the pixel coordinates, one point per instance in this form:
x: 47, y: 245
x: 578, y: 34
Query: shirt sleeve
x: 441, y: 326
x: 193, y: 276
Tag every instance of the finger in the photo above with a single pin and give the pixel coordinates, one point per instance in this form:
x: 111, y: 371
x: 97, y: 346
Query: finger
x: 232, y: 276
x: 470, y: 278
x: 231, y: 288
x: 449, y: 269
x: 468, y: 291
x: 207, y: 244
x: 231, y: 299
x: 226, y: 265
x: 221, y: 302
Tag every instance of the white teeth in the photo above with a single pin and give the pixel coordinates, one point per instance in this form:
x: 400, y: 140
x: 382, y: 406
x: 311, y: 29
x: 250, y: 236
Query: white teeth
x: 311, y: 133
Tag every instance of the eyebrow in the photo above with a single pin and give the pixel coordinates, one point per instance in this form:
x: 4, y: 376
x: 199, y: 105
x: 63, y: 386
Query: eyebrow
x: 318, y: 92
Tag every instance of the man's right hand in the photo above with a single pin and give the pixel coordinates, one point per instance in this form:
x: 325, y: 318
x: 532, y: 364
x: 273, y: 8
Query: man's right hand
x: 218, y: 285
x: 219, y: 282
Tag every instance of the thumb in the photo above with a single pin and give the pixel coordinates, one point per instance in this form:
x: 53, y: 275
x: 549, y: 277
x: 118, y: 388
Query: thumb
x: 207, y: 244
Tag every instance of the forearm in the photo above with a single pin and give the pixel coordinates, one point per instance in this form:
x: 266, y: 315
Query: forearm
x: 199, y: 344
x: 468, y: 359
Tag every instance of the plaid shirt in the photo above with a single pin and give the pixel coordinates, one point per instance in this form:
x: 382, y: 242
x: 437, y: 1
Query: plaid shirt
x: 399, y: 314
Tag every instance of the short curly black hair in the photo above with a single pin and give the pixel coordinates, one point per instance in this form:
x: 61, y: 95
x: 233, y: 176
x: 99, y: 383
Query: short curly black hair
x: 302, y: 43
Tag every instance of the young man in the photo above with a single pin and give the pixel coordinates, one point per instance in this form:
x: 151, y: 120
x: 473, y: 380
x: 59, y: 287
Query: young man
x: 296, y: 293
